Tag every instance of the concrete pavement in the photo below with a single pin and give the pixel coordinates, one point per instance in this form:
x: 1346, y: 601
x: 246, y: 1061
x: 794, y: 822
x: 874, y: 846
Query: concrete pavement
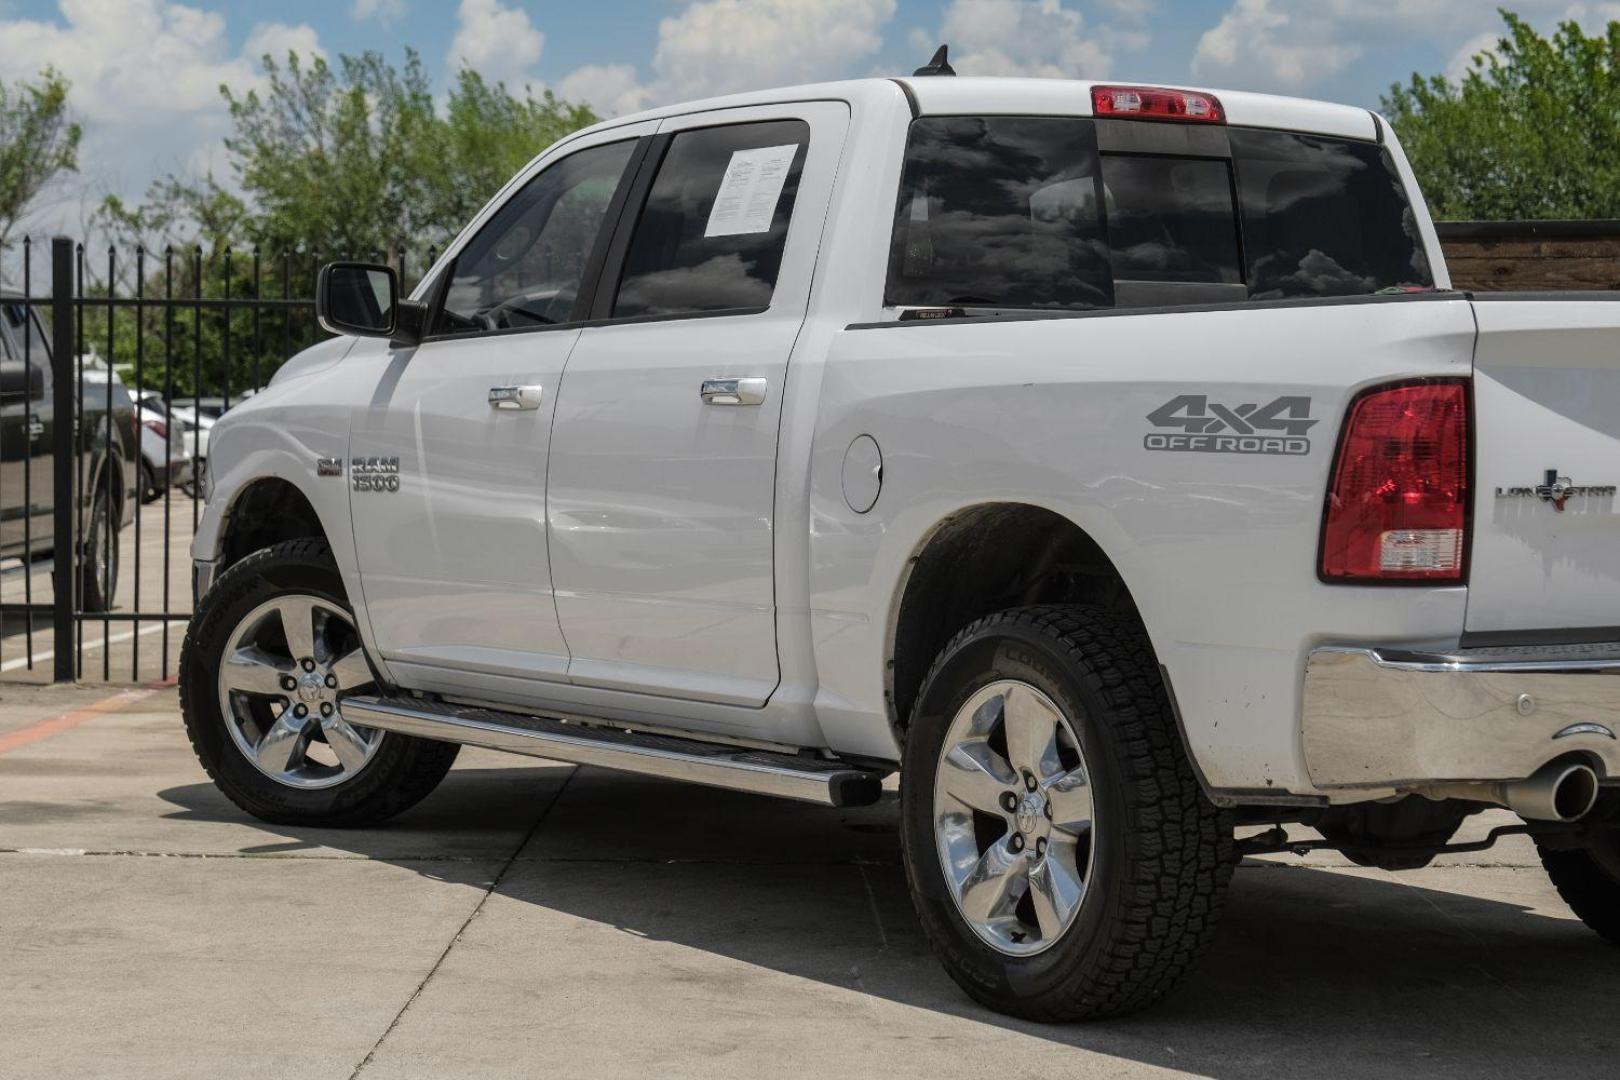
x: 532, y: 919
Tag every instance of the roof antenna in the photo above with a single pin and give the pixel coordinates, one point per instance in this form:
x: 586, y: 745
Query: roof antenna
x: 939, y: 65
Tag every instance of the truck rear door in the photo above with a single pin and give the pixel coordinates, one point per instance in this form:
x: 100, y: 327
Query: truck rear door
x: 1546, y: 554
x: 661, y: 489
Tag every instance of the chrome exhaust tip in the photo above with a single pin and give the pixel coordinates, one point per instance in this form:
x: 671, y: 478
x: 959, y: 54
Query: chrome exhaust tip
x: 1557, y: 792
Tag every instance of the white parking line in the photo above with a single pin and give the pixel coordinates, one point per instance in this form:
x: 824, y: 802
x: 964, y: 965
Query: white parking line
x: 90, y: 645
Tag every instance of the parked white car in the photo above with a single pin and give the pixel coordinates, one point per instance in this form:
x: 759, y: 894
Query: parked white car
x: 1114, y: 463
x: 193, y: 426
x: 165, y: 460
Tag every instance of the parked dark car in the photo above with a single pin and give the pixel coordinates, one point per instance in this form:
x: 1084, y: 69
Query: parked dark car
x: 106, y: 472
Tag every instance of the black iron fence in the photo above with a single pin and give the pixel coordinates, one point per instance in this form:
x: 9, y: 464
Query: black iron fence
x: 140, y: 353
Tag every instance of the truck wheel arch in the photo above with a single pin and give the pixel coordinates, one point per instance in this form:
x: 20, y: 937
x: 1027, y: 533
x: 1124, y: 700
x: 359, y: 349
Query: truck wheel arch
x: 983, y: 559
x: 263, y: 513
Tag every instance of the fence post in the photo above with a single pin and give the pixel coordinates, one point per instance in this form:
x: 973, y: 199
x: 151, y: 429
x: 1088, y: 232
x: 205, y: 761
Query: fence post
x: 63, y: 354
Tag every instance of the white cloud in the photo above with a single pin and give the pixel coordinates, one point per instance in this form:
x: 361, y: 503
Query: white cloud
x: 1292, y: 45
x: 714, y: 47
x: 141, y: 61
x: 723, y: 46
x: 1275, y: 44
x: 1591, y: 16
x: 145, y: 78
x: 1463, y: 59
x: 498, y: 42
x: 276, y: 40
x: 1040, y: 38
x: 612, y: 90
x: 384, y: 11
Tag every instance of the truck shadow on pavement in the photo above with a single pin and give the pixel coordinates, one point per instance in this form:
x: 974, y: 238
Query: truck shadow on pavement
x: 1317, y: 972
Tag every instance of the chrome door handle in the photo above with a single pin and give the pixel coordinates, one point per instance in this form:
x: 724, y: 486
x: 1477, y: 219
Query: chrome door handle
x: 734, y: 391
x: 515, y: 397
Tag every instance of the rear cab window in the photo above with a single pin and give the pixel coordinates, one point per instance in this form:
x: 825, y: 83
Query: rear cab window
x: 711, y: 235
x: 1073, y: 213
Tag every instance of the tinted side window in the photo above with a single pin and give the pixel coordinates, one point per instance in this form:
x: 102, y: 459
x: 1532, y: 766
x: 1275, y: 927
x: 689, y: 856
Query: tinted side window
x: 28, y: 338
x: 526, y: 265
x: 1324, y: 217
x: 39, y: 343
x: 1171, y: 219
x: 711, y: 235
x: 999, y: 212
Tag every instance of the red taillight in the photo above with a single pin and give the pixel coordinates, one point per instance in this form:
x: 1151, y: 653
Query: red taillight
x: 1397, y: 507
x: 1151, y: 103
x: 157, y: 427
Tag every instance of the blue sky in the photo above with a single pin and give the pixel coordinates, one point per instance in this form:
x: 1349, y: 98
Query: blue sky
x: 626, y: 32
x: 145, y: 73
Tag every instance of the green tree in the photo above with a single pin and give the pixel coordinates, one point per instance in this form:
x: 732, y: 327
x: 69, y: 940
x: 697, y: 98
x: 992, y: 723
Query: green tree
x: 486, y: 134
x: 353, y: 159
x: 38, y: 142
x: 1532, y: 130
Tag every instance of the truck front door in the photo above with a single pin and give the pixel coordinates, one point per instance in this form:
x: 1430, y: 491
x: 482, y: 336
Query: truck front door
x: 447, y: 464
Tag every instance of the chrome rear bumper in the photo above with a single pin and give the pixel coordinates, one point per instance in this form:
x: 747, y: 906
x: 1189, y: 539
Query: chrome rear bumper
x: 1392, y: 718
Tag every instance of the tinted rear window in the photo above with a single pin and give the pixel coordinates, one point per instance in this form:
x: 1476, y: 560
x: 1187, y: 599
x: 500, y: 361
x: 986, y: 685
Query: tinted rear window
x: 1024, y: 212
x: 1171, y: 219
x: 1324, y: 217
x: 1000, y: 211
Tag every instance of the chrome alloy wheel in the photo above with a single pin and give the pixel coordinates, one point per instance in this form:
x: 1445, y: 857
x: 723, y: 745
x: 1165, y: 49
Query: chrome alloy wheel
x: 281, y: 677
x: 1013, y: 817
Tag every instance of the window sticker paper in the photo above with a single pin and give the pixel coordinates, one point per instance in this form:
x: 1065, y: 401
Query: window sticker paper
x: 746, y: 202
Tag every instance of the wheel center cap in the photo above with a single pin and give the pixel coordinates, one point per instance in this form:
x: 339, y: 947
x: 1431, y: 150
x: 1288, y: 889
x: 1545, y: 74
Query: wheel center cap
x: 310, y: 686
x: 1030, y: 809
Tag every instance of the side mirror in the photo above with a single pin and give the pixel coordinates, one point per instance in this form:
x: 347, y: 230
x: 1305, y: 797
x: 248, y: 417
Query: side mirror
x: 18, y: 379
x: 363, y: 299
x: 357, y: 298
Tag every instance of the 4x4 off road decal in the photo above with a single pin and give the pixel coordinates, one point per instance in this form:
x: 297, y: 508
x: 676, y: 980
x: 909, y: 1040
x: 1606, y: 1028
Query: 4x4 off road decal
x: 1210, y: 427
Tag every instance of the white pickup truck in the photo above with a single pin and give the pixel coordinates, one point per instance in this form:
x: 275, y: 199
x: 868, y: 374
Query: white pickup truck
x: 1116, y: 464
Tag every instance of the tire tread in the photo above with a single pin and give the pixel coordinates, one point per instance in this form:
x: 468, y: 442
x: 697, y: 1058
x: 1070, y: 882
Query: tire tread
x: 386, y: 791
x: 1165, y: 917
x: 1590, y: 891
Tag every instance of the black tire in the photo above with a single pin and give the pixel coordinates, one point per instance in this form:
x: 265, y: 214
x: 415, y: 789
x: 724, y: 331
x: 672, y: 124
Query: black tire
x: 1162, y: 854
x: 150, y: 490
x: 403, y: 770
x: 1589, y: 882
x: 98, y: 564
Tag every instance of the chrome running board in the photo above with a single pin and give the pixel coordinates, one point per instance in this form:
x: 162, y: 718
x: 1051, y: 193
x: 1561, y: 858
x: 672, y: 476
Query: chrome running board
x: 791, y: 776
